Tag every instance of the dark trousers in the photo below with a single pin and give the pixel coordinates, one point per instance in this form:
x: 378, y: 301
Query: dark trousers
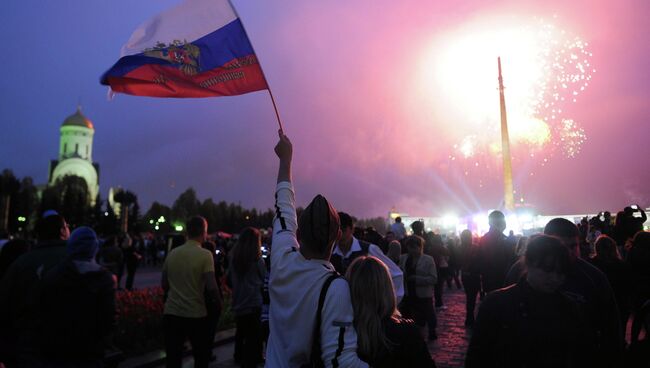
x: 421, y: 311
x: 176, y: 330
x: 453, y: 274
x: 130, y: 274
x: 248, y: 339
x: 432, y: 324
x: 472, y: 284
x: 437, y: 290
x: 212, y: 321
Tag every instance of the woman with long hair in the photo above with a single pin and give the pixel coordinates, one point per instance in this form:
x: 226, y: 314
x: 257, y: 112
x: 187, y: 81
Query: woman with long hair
x: 245, y: 277
x: 384, y: 338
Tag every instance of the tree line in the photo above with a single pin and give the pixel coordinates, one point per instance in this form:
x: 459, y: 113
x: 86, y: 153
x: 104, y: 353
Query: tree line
x: 21, y: 204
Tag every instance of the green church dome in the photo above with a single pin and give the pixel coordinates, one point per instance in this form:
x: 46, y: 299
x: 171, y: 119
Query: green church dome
x: 78, y: 119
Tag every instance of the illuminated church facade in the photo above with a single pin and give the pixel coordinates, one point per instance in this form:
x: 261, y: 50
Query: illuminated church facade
x: 76, y: 154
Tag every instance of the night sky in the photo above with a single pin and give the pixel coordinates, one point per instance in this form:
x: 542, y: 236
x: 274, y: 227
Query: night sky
x: 347, y: 77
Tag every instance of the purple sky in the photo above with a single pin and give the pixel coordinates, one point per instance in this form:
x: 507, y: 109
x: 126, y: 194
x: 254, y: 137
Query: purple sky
x: 342, y: 75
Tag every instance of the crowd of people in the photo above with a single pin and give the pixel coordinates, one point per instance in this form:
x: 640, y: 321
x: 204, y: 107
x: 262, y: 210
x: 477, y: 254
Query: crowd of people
x: 320, y: 292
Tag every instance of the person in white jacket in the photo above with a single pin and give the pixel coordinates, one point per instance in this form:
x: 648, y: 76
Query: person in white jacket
x: 348, y: 248
x: 299, y: 268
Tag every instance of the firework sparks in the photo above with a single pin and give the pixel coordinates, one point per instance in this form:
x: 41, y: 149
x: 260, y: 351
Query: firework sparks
x: 545, y: 70
x: 572, y: 137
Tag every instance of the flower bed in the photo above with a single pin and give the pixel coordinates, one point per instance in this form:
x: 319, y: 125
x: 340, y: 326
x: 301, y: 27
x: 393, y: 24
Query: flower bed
x: 139, y: 322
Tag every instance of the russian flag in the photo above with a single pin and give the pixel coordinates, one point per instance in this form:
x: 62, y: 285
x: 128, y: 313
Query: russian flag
x: 197, y: 49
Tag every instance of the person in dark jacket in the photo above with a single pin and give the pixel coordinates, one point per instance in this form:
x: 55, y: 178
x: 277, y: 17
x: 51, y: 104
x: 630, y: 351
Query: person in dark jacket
x: 496, y: 253
x: 384, y: 338
x: 530, y: 324
x: 78, y: 304
x: 470, y: 273
x: 609, y: 261
x: 638, y: 259
x: 638, y: 353
x: 588, y: 287
x: 10, y: 252
x: 131, y: 259
x: 20, y: 310
x: 110, y: 256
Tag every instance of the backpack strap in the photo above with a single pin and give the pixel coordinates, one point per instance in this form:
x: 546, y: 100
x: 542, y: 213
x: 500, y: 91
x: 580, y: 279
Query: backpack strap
x: 316, y: 351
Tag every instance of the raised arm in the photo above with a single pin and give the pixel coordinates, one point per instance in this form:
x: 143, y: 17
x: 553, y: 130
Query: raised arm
x: 284, y: 150
x: 285, y: 222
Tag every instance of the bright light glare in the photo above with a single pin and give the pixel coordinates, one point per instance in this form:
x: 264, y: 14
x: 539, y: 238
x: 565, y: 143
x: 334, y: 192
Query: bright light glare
x: 450, y: 221
x: 463, y: 63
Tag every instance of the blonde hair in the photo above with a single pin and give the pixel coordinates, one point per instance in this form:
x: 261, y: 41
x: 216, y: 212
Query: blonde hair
x: 373, y: 301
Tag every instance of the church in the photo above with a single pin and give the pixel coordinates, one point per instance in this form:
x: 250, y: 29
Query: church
x: 76, y: 154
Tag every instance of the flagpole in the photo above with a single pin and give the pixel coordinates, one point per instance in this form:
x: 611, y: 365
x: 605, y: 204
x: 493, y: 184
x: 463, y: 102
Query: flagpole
x: 277, y: 115
x: 268, y: 86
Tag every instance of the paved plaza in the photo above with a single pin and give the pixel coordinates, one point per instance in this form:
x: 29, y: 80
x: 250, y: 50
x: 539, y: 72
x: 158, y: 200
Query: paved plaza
x: 448, y: 350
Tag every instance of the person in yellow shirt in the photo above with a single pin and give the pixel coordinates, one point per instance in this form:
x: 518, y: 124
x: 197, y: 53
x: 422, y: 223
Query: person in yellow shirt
x: 187, y: 273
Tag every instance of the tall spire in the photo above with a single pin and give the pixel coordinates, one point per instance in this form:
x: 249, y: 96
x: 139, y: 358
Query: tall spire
x: 508, y: 191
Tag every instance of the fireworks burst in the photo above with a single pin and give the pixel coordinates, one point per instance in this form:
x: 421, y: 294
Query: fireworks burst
x: 545, y: 70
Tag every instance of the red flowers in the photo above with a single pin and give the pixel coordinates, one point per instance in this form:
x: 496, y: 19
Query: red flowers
x: 139, y: 320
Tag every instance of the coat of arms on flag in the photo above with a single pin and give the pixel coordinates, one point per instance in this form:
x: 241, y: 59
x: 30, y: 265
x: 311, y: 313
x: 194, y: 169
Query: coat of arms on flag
x: 214, y: 58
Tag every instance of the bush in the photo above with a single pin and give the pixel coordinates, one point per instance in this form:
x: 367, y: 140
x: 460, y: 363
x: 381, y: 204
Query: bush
x: 139, y: 321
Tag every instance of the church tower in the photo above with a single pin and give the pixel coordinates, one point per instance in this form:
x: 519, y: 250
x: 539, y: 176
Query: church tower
x: 76, y: 152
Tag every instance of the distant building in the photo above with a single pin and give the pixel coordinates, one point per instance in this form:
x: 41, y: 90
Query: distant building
x: 76, y: 154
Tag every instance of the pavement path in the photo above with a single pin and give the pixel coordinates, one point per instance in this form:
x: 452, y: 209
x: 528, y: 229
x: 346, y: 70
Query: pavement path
x: 448, y: 350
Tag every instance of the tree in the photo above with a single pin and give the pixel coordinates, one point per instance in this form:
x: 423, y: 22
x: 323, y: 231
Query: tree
x: 9, y: 186
x: 74, y: 200
x: 108, y: 224
x: 50, y: 199
x: 185, y: 206
x: 134, y: 217
x: 97, y: 212
x: 158, y: 217
x: 70, y: 197
x: 209, y: 210
x: 22, y: 216
x: 125, y: 199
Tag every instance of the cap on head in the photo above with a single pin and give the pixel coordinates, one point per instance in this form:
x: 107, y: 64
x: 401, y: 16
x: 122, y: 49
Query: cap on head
x: 83, y: 244
x: 49, y: 213
x: 318, y: 225
x: 51, y: 226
